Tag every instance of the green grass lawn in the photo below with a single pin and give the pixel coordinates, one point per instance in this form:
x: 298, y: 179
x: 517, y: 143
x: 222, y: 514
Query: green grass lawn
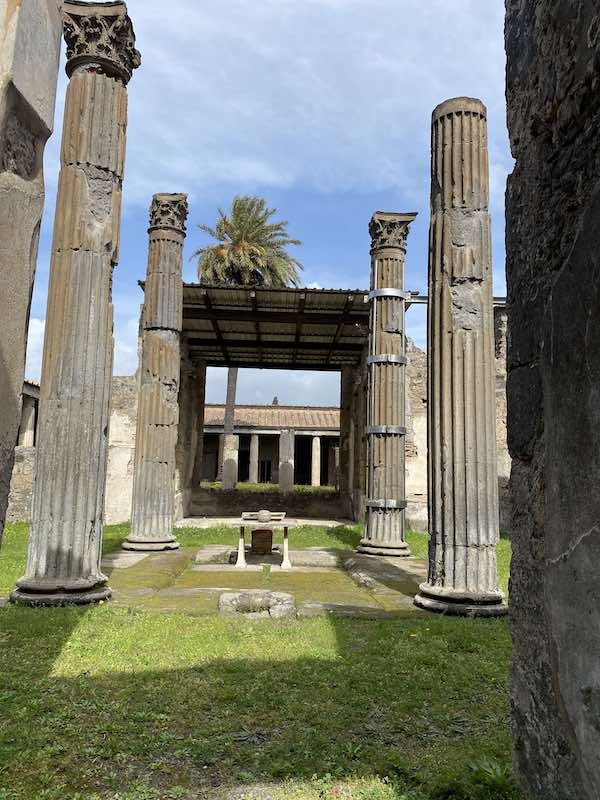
x: 104, y: 703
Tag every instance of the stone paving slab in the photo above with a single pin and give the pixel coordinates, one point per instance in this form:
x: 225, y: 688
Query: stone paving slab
x: 334, y: 582
x: 122, y: 559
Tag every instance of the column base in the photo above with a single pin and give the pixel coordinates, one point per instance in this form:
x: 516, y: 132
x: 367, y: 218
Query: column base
x: 150, y: 545
x: 60, y: 597
x: 460, y: 604
x: 373, y: 548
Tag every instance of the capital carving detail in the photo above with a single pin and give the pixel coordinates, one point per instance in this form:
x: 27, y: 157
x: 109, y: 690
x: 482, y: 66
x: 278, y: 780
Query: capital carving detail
x: 169, y: 211
x: 100, y: 34
x: 388, y: 230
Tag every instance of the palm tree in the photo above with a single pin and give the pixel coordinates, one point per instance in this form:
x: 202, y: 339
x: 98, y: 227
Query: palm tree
x: 250, y: 250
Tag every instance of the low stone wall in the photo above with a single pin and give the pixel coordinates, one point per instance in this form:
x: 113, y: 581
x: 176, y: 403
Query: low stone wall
x: 219, y: 503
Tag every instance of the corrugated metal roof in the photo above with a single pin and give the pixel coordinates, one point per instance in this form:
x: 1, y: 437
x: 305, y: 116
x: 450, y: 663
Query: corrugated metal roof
x: 279, y: 417
x: 280, y: 328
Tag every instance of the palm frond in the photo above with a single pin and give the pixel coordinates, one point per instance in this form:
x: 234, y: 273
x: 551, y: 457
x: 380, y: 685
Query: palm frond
x: 249, y: 249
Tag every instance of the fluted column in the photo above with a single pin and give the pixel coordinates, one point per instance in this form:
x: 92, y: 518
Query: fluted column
x: 463, y: 486
x: 30, y: 34
x: 200, y: 385
x: 231, y: 444
x: 315, y: 466
x: 253, y: 477
x: 386, y: 431
x: 27, y: 429
x: 346, y: 465
x: 68, y: 500
x: 286, y: 461
x: 153, y: 502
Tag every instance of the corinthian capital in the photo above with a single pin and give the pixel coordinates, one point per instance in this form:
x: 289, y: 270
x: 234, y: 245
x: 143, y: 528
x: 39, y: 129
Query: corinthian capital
x: 169, y: 211
x: 100, y: 33
x: 389, y: 229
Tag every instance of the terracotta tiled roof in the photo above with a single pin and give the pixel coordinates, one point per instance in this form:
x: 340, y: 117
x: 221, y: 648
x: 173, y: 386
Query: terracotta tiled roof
x: 297, y: 417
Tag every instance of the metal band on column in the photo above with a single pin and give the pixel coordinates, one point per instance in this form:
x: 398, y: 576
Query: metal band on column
x: 386, y: 429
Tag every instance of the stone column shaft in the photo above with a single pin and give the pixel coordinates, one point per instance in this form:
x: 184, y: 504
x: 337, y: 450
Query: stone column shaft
x: 346, y: 462
x: 286, y: 461
x: 386, y: 431
x: 200, y: 382
x: 27, y: 429
x: 553, y: 385
x: 30, y: 35
x: 315, y: 466
x: 153, y: 502
x: 231, y: 445
x: 253, y: 477
x: 462, y: 459
x: 68, y: 501
x: 359, y: 438
x: 336, y: 467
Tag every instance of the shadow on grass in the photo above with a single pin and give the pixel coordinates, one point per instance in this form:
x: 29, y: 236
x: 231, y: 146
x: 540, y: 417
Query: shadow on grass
x: 98, y: 702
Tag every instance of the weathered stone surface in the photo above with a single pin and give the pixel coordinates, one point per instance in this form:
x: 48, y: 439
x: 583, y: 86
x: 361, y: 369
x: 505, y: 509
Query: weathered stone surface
x: 27, y: 427
x: 286, y: 461
x: 503, y: 460
x: 231, y: 445
x: 63, y: 563
x: 191, y: 409
x: 21, y: 484
x: 315, y: 464
x: 463, y: 483
x: 200, y: 395
x: 30, y: 35
x: 553, y: 271
x: 153, y: 501
x: 257, y: 604
x: 253, y: 475
x: 386, y: 404
x: 353, y: 439
x: 121, y: 449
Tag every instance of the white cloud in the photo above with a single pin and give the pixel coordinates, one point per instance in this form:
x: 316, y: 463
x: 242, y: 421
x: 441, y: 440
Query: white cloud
x: 333, y: 95
x: 35, y: 348
x: 291, y: 387
x: 321, y: 96
x: 126, y: 346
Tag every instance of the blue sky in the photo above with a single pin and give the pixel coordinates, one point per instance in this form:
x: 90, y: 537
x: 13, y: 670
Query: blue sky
x: 321, y: 106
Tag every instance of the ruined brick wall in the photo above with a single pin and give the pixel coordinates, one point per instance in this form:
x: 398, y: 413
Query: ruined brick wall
x: 553, y: 271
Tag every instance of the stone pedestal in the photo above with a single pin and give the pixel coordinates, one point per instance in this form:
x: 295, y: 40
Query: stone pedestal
x: 231, y: 444
x: 463, y: 482
x: 27, y: 429
x: 153, y: 503
x: 286, y: 461
x: 386, y: 431
x: 553, y: 282
x: 30, y: 35
x: 68, y: 503
x: 315, y: 466
x: 253, y: 478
